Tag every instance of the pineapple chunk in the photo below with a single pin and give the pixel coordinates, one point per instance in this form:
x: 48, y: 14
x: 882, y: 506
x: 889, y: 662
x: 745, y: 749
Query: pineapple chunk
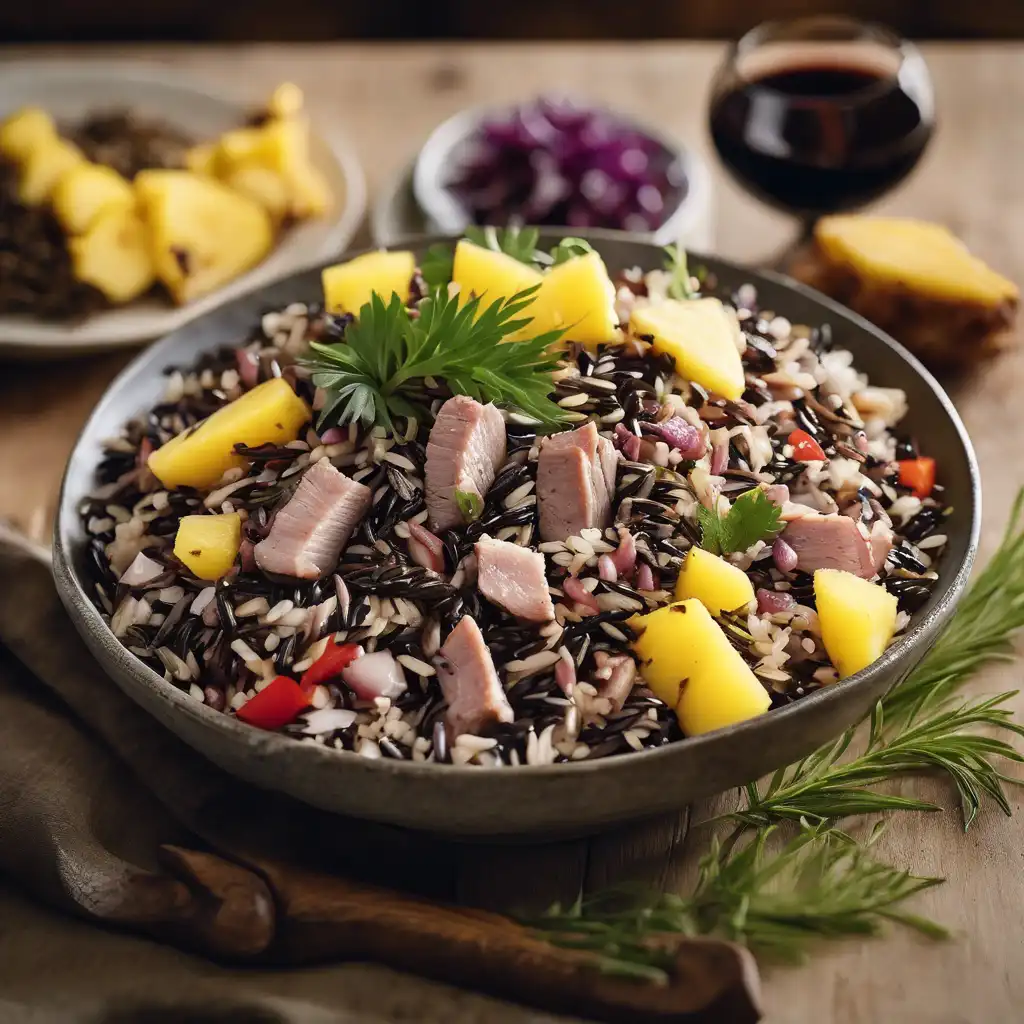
x: 718, y: 585
x: 281, y: 146
x: 923, y: 257
x: 262, y: 186
x: 26, y: 131
x: 86, y: 192
x: 858, y: 618
x: 113, y: 255
x: 701, y: 335
x: 688, y: 662
x: 579, y: 296
x: 348, y: 286
x: 44, y: 167
x: 202, y: 233
x: 202, y: 159
x: 199, y: 456
x: 208, y: 545
x: 285, y: 101
x: 490, y: 275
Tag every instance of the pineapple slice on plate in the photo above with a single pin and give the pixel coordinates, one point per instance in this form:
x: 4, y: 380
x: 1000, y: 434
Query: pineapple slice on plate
x: 44, y: 166
x: 24, y: 132
x: 202, y: 233
x: 915, y: 280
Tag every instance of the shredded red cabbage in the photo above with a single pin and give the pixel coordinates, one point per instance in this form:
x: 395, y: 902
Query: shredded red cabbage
x: 553, y: 162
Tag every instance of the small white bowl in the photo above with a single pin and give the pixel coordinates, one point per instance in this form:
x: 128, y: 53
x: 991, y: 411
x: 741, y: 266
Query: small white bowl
x: 689, y: 223
x: 71, y: 90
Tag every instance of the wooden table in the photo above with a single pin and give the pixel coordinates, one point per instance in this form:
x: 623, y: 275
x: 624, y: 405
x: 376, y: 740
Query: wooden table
x: 387, y: 98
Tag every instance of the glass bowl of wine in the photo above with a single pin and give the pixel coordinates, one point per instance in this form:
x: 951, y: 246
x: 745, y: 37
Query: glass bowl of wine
x: 821, y: 115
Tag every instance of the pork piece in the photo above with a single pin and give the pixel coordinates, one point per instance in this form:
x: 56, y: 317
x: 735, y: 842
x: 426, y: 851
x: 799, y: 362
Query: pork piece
x: 575, y: 482
x: 469, y: 682
x: 465, y: 449
x: 312, y: 529
x: 513, y: 578
x: 836, y: 542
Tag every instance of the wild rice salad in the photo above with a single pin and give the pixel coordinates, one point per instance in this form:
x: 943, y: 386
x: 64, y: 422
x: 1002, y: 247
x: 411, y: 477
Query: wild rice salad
x: 458, y: 586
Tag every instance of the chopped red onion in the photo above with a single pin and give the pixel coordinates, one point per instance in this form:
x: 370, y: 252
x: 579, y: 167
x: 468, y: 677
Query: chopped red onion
x: 624, y: 556
x: 784, y: 555
x: 248, y: 364
x: 720, y: 457
x: 334, y: 435
x: 644, y: 577
x: 606, y: 569
x: 771, y: 601
x: 425, y: 548
x: 779, y: 493
x: 247, y: 556
x: 628, y: 442
x: 375, y: 675
x: 573, y: 588
x: 678, y: 433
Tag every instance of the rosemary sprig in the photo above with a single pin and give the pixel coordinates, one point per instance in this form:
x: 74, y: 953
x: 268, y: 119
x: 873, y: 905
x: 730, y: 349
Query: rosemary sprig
x: 381, y: 369
x: 919, y: 726
x: 677, y: 267
x: 518, y: 242
x: 820, y: 884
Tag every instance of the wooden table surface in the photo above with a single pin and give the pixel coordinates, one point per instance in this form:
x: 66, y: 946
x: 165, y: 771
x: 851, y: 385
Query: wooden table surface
x: 387, y: 98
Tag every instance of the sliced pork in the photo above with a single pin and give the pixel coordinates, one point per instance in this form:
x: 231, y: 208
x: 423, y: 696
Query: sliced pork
x: 464, y: 451
x: 469, y: 681
x: 312, y: 529
x: 513, y: 578
x: 575, y: 482
x: 835, y: 542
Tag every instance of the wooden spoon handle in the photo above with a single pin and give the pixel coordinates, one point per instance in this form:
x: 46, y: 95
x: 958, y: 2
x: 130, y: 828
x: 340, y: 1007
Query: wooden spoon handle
x: 322, y: 917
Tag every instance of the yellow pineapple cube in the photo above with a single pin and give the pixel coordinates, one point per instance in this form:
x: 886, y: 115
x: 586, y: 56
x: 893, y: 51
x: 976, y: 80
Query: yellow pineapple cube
x: 579, y: 297
x: 113, y: 255
x: 87, y: 191
x: 26, y: 131
x: 43, y: 167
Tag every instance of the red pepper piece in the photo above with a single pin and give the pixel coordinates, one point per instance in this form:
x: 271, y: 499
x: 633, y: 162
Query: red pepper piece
x: 329, y: 664
x: 275, y: 705
x: 918, y: 474
x: 805, y: 448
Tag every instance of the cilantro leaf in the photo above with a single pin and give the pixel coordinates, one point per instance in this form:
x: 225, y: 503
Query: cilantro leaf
x: 519, y: 243
x: 569, y: 248
x: 471, y: 505
x: 437, y: 266
x: 753, y: 517
x: 676, y: 265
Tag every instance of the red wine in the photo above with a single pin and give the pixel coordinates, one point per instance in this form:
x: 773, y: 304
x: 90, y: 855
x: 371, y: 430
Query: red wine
x: 820, y: 137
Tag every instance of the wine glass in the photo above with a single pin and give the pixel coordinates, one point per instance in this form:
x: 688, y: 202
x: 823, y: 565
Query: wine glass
x: 821, y: 115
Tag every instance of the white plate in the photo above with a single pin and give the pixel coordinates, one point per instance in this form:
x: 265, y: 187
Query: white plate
x: 71, y: 90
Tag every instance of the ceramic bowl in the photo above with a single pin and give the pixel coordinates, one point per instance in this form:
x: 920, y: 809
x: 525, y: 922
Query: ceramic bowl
x: 539, y: 800
x: 686, y: 222
x: 71, y: 90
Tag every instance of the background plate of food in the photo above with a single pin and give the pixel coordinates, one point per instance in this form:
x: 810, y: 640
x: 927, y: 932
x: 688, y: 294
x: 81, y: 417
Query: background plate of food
x: 132, y: 201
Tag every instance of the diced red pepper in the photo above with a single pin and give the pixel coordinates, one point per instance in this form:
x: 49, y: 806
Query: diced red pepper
x: 277, y: 704
x: 330, y: 663
x: 918, y: 474
x: 805, y: 448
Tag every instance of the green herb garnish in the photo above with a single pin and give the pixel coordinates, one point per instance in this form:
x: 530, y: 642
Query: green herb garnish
x: 519, y: 243
x: 381, y: 369
x: 437, y: 266
x: 570, y: 248
x: 471, y: 505
x: 676, y: 265
x: 753, y: 517
x: 820, y: 884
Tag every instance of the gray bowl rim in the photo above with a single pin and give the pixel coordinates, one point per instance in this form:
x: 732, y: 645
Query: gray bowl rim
x: 271, y: 744
x: 444, y: 210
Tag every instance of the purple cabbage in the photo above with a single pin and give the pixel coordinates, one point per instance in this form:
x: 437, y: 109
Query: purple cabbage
x: 552, y: 162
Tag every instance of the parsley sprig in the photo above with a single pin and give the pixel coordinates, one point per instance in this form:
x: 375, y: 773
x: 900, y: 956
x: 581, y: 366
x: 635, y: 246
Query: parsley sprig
x: 380, y: 370
x: 752, y: 517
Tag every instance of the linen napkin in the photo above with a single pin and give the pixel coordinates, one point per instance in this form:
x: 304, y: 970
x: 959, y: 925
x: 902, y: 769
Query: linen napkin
x: 106, y: 815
